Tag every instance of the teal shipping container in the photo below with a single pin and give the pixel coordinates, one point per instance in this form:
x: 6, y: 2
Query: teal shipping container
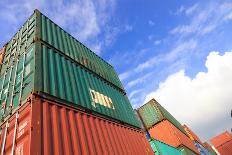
x: 33, y: 66
x: 161, y: 148
x: 186, y: 151
x: 40, y: 28
x: 152, y: 113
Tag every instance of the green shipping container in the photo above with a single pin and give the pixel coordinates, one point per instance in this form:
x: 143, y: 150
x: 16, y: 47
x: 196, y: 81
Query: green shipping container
x: 186, y: 151
x: 40, y: 28
x: 161, y: 148
x: 33, y: 66
x: 152, y: 113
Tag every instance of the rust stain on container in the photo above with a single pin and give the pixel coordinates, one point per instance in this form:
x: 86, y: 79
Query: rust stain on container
x: 169, y: 134
x: 2, y: 53
x: 226, y: 148
x: 45, y: 127
x: 220, y: 139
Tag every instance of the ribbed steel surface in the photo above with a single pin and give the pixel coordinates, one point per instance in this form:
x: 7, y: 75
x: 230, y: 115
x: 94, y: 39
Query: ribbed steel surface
x: 220, y: 139
x: 39, y: 28
x: 201, y: 148
x: 169, y: 134
x: 186, y: 151
x: 191, y: 134
x: 41, y: 69
x: 45, y: 127
x: 209, y: 148
x: 161, y: 148
x: 152, y: 112
x: 225, y: 148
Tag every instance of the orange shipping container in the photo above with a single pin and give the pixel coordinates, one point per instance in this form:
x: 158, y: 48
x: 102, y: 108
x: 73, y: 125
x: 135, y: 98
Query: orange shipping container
x: 45, y: 127
x: 191, y: 134
x: 2, y: 53
x: 169, y: 134
x: 220, y: 139
x: 226, y: 148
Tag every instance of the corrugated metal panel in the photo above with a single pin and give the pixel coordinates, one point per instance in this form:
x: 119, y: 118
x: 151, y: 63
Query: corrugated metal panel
x: 192, y: 135
x: 209, y: 148
x: 61, y: 40
x: 152, y: 112
x: 40, y: 28
x: 2, y: 54
x: 44, y: 127
x: 186, y: 151
x: 220, y: 139
x: 47, y: 71
x: 201, y: 149
x: 161, y: 148
x: 169, y: 134
x: 225, y: 148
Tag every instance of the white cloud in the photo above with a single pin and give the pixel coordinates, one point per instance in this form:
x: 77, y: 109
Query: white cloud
x: 133, y: 93
x: 151, y: 23
x: 179, y: 50
x: 204, y: 20
x: 124, y: 75
x: 228, y: 17
x: 139, y: 80
x: 85, y: 19
x: 157, y: 42
x: 203, y: 101
x: 128, y: 27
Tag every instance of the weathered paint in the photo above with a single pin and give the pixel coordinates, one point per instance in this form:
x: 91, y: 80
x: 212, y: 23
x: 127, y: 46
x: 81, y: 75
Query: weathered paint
x: 45, y: 127
x: 41, y: 69
x: 166, y: 132
x: 152, y: 112
x: 40, y: 28
x: 221, y: 138
x: 161, y: 148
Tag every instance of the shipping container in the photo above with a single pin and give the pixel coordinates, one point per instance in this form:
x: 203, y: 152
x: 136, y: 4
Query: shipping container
x: 220, y: 139
x: 225, y: 148
x: 152, y: 112
x: 46, y: 127
x: 209, y: 148
x: 166, y: 132
x: 191, y: 134
x: 201, y: 148
x: 40, y: 28
x: 161, y: 148
x: 2, y: 53
x: 44, y: 70
x: 186, y: 151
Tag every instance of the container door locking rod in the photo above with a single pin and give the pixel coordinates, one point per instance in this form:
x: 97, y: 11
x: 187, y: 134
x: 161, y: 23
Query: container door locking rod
x: 15, y: 130
x: 4, y: 139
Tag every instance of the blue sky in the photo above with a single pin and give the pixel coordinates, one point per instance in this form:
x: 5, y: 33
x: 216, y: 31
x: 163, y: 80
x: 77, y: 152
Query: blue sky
x: 149, y: 43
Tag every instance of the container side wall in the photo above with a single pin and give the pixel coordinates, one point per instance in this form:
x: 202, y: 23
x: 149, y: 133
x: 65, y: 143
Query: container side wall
x: 169, y: 134
x: 69, y: 81
x: 56, y: 37
x: 165, y: 149
x: 220, y: 139
x: 226, y: 148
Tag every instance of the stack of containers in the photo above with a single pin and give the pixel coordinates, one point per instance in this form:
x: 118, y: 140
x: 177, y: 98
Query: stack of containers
x: 209, y: 148
x: 162, y: 126
x: 161, y: 148
x: 196, y: 140
x: 59, y: 97
x: 223, y: 143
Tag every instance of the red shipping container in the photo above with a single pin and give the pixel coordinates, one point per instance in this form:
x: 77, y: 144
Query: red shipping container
x: 226, y: 148
x: 45, y: 127
x: 2, y: 53
x: 191, y: 134
x: 221, y: 139
x: 169, y: 134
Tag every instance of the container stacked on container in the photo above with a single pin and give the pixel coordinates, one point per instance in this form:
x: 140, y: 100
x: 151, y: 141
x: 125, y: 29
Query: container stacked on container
x: 223, y: 143
x: 196, y: 140
x: 209, y: 148
x: 162, y: 126
x: 59, y: 97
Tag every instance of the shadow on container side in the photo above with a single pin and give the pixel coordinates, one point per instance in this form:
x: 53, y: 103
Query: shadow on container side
x: 41, y: 126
